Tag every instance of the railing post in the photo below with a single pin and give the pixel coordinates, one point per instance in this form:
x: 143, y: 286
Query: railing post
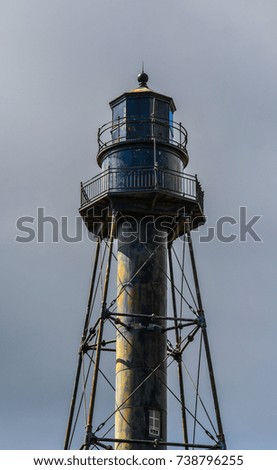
x: 84, y: 196
x: 81, y: 193
x: 199, y: 194
x: 118, y: 127
x: 156, y: 175
x: 98, y: 137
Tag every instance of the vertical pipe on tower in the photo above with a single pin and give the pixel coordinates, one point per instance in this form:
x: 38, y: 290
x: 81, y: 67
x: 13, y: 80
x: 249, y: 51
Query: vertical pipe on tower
x: 141, y: 342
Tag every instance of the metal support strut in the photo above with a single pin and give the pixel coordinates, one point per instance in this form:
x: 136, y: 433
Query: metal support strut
x: 99, y: 339
x: 221, y: 437
x: 80, y: 357
x: 178, y: 345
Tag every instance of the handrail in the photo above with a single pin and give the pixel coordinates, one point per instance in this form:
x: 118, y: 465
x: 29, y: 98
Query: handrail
x: 127, y: 129
x: 141, y: 179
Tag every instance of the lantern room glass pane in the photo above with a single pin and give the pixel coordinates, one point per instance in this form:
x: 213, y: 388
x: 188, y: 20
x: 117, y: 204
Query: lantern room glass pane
x: 161, y: 113
x: 138, y: 118
x: 138, y: 108
x: 119, y: 122
x: 161, y: 109
x: 171, y: 129
x: 119, y: 111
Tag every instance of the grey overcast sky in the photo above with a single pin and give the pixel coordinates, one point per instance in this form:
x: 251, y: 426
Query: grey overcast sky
x: 62, y: 61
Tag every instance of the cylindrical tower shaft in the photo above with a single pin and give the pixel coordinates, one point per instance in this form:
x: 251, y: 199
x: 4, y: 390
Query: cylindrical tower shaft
x: 141, y: 340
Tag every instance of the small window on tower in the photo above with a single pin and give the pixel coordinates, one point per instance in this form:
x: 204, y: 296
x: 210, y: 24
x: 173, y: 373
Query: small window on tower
x: 154, y: 423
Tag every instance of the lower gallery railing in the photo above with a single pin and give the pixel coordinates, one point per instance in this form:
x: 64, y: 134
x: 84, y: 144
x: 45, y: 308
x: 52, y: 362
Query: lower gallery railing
x: 124, y: 180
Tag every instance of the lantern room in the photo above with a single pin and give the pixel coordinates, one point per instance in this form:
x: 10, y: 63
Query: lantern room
x: 144, y: 116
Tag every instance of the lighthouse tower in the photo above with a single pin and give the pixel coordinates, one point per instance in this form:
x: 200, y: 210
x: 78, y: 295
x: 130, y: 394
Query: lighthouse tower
x: 140, y: 204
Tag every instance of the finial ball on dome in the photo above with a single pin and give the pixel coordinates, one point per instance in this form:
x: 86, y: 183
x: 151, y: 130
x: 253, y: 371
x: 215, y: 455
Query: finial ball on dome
x: 143, y: 79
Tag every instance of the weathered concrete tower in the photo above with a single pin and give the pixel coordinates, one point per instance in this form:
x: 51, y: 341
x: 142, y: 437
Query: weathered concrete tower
x: 143, y: 199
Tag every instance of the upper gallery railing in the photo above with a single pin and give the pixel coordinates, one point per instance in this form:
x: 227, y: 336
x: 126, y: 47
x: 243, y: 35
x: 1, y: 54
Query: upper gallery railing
x: 133, y: 129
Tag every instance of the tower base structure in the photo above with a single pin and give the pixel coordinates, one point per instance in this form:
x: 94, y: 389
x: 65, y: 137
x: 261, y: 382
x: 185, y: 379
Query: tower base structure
x: 144, y: 350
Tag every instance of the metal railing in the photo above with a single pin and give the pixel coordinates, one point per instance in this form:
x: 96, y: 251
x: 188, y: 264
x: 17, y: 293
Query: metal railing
x: 134, y: 129
x: 141, y: 179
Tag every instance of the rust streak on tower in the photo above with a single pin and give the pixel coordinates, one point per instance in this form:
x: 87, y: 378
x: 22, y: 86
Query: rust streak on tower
x: 144, y: 202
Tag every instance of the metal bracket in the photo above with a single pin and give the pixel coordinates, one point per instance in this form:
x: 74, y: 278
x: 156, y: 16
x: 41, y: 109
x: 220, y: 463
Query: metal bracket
x: 201, y: 320
x: 176, y: 354
x: 221, y: 442
x: 117, y: 321
x: 106, y: 313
